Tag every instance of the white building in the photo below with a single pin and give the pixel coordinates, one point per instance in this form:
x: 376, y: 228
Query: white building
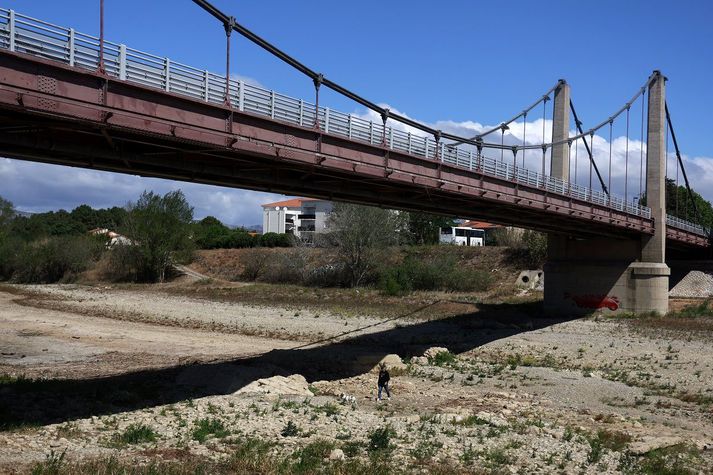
x: 303, y: 217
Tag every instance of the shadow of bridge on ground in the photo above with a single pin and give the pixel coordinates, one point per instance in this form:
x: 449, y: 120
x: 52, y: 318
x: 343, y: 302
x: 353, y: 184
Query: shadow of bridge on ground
x: 41, y: 402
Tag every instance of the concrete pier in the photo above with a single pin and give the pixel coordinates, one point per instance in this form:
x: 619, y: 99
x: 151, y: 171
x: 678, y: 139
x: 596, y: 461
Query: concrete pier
x: 583, y: 275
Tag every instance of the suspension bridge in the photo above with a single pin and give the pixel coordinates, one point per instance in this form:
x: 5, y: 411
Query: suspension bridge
x: 74, y: 99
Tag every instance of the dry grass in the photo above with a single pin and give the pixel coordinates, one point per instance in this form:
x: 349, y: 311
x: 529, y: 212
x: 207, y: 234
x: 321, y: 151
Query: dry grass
x: 689, y: 320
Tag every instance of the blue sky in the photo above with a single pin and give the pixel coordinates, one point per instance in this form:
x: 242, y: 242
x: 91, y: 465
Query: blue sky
x: 459, y: 61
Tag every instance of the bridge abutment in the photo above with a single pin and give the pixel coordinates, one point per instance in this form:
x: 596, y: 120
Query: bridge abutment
x: 582, y: 275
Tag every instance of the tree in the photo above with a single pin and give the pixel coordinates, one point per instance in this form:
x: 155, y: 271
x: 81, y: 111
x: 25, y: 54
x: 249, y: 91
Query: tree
x: 679, y: 204
x: 423, y: 228
x: 210, y: 233
x: 7, y: 212
x: 159, y: 227
x: 361, y: 235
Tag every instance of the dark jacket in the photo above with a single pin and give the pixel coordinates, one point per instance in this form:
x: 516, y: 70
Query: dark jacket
x: 384, y: 377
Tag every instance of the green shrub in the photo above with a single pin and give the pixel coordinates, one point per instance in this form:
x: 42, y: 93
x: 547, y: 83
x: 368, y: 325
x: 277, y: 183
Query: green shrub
x: 380, y: 439
x: 136, y: 434
x: 444, y: 358
x: 53, y: 259
x: 241, y: 239
x: 312, y: 457
x: 9, y: 249
x: 276, y: 240
x: 290, y: 430
x: 207, y: 427
x: 443, y: 273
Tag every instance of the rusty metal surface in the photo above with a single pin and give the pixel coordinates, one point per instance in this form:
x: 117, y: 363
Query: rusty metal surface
x: 83, y: 118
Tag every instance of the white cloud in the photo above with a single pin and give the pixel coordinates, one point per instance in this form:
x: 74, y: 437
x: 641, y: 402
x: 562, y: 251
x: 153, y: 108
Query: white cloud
x: 246, y: 79
x: 37, y: 187
x: 699, y: 169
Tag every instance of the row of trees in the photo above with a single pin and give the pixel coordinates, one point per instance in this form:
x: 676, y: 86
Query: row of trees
x: 47, y: 247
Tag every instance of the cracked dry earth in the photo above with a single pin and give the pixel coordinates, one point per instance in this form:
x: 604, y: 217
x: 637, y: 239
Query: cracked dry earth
x: 83, y: 366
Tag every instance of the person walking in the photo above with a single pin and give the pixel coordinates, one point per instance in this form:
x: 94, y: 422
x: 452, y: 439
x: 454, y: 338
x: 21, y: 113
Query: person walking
x: 383, y: 382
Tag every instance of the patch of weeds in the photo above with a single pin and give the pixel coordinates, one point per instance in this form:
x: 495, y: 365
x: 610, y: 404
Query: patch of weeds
x: 425, y: 450
x: 444, y: 358
x: 353, y: 448
x: 380, y: 439
x: 471, y: 421
x: 606, y: 439
x: 251, y: 453
x: 68, y: 430
x: 469, y: 455
x: 329, y: 409
x: 135, y: 434
x: 311, y: 458
x: 704, y: 309
x: 496, y: 457
x: 679, y: 459
x: 290, y: 430
x: 52, y: 465
x: 209, y: 427
x: 285, y: 404
x: 605, y: 418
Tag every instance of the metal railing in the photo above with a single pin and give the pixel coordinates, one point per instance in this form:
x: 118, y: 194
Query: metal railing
x: 23, y: 34
x: 684, y: 225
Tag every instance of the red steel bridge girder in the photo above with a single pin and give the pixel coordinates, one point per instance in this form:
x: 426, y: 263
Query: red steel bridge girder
x: 53, y: 113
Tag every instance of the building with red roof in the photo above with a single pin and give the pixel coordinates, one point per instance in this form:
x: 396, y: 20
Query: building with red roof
x: 302, y: 217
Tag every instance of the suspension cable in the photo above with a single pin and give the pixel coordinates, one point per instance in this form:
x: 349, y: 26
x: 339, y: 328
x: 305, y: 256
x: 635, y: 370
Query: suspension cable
x: 225, y: 19
x: 641, y: 149
x: 545, y: 97
x: 683, y: 168
x: 524, y: 140
x: 611, y: 129
x: 586, y: 146
x: 626, y: 161
x: 576, y: 151
x: 544, y: 149
x: 591, y: 163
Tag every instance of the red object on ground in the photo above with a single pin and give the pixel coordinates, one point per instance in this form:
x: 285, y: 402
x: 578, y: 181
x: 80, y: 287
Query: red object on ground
x: 595, y: 301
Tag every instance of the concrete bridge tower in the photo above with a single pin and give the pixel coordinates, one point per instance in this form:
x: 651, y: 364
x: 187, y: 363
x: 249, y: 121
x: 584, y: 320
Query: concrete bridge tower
x: 618, y: 274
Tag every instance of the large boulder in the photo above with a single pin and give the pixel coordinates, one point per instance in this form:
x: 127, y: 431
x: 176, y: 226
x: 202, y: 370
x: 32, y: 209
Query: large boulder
x: 433, y: 351
x: 295, y: 384
x: 371, y: 363
x: 392, y: 362
x: 648, y: 443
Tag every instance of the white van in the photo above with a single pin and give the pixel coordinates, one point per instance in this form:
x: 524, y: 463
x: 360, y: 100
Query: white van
x: 462, y: 236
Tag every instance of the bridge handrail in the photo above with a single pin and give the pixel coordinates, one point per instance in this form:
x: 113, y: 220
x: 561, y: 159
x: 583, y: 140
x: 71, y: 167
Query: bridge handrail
x: 678, y: 223
x: 25, y: 34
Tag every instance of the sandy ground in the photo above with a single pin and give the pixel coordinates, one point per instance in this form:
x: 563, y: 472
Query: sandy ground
x: 524, y: 394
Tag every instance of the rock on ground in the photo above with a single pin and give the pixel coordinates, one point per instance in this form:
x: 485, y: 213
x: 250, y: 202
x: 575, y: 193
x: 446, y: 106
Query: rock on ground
x: 295, y: 384
x: 433, y: 351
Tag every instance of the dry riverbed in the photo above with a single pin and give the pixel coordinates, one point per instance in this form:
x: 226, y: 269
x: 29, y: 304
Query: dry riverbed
x: 195, y: 376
